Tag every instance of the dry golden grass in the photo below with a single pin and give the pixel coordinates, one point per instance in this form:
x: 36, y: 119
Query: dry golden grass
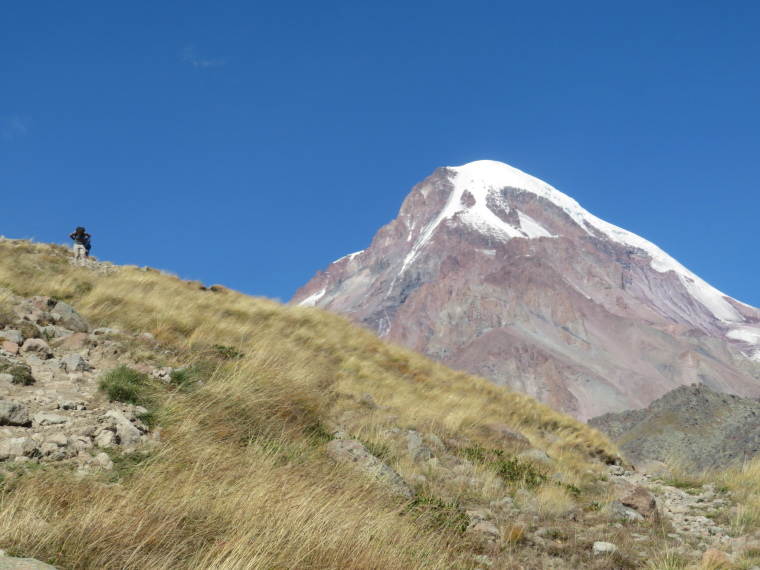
x: 240, y: 479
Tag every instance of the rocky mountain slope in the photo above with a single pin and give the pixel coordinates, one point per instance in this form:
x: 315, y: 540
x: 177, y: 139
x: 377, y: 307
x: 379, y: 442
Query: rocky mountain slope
x: 691, y: 425
x: 268, y: 436
x: 494, y: 272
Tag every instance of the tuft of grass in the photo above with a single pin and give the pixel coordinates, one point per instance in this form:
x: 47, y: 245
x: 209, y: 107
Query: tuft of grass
x: 126, y: 385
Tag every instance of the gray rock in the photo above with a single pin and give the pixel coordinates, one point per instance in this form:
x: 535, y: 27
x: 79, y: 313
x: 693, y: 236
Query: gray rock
x: 75, y: 363
x: 104, y: 461
x: 128, y: 434
x: 69, y: 318
x: 619, y: 510
x: 6, y: 377
x: 537, y: 456
x: 509, y: 435
x: 105, y: 330
x: 44, y: 418
x: 652, y: 468
x: 13, y: 413
x: 368, y: 401
x: 601, y: 547
x: 17, y: 447
x: 105, y: 439
x: 353, y: 453
x: 11, y: 563
x: 434, y: 442
x: 13, y: 336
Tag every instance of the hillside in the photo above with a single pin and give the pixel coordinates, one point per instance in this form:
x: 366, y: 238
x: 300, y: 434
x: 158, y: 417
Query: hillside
x: 286, y: 437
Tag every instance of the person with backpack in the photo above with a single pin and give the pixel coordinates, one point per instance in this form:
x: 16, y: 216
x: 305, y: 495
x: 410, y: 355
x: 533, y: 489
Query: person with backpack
x: 81, y: 242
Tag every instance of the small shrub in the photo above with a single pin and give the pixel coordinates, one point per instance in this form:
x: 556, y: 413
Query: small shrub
x: 319, y: 433
x: 28, y: 330
x: 22, y: 374
x: 125, y: 384
x: 227, y: 352
x: 440, y: 513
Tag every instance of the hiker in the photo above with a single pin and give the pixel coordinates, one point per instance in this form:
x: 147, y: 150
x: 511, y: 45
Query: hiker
x: 81, y: 241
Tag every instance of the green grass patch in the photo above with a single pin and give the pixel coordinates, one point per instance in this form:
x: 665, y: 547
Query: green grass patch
x: 509, y: 468
x: 127, y: 385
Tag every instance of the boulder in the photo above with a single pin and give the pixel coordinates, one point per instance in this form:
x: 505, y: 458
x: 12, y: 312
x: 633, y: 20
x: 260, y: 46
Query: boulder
x: 10, y: 346
x: 13, y: 413
x: 69, y: 318
x: 353, y: 453
x: 38, y: 347
x: 641, y: 501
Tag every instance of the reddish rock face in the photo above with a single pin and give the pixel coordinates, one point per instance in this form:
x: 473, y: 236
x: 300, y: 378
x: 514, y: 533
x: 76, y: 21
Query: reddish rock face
x: 492, y: 271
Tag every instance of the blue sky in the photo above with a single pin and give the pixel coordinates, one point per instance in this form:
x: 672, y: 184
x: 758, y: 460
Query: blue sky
x: 252, y: 143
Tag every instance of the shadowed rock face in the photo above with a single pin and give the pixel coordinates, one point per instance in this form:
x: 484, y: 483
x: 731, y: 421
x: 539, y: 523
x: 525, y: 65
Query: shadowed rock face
x: 491, y: 271
x: 692, y: 426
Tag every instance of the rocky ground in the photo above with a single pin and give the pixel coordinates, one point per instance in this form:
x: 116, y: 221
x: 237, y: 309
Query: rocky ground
x: 50, y: 406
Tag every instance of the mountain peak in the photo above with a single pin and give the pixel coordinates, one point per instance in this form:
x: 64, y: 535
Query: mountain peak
x: 493, y: 271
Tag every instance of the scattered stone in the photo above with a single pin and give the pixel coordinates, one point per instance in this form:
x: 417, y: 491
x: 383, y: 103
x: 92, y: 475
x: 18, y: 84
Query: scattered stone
x: 75, y: 363
x: 38, y: 347
x: 368, y: 401
x: 11, y: 563
x: 44, y: 418
x: 104, y: 461
x: 508, y: 435
x: 536, y: 456
x: 13, y: 336
x: 601, y: 548
x: 13, y: 413
x: 619, y: 510
x: 10, y: 346
x: 69, y: 318
x: 641, y: 501
x: 714, y: 558
x: 75, y: 341
x: 128, y: 434
x: 652, y: 468
x: 353, y: 453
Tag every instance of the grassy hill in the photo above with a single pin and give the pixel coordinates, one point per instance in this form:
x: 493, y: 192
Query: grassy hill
x: 241, y: 479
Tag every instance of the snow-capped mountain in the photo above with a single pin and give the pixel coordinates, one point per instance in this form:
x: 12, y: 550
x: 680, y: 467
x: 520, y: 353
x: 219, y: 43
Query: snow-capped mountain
x: 493, y: 271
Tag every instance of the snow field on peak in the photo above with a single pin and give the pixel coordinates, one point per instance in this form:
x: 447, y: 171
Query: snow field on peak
x: 481, y: 176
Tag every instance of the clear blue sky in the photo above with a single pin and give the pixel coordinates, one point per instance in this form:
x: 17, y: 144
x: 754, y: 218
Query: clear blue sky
x: 252, y: 143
